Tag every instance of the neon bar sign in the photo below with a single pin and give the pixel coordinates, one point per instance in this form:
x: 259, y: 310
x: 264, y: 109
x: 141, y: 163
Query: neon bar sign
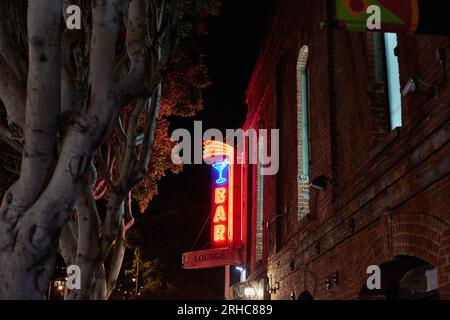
x: 220, y: 156
x: 223, y: 251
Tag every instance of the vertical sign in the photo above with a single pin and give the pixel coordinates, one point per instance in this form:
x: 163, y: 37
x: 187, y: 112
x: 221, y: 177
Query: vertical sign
x: 225, y: 250
x: 220, y: 156
x: 398, y: 16
x: 395, y: 16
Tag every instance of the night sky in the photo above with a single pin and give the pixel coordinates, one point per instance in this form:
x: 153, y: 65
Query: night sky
x: 231, y: 46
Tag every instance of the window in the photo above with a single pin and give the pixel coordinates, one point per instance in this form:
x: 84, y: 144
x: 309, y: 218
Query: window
x: 393, y: 80
x: 259, y: 202
x: 303, y: 153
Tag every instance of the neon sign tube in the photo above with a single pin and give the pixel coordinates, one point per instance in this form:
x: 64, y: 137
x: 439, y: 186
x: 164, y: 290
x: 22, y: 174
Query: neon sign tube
x: 221, y: 157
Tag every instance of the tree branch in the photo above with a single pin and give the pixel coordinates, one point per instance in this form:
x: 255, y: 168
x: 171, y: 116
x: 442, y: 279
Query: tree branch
x: 12, y: 94
x: 115, y: 264
x: 115, y: 211
x: 69, y: 96
x: 151, y: 120
x: 135, y: 84
x: 88, y: 248
x: 9, y: 50
x: 102, y: 63
x: 7, y: 137
x: 43, y: 95
x: 67, y: 245
x: 130, y: 149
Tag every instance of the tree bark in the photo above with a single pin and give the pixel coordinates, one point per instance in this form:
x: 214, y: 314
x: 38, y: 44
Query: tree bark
x: 31, y: 221
x: 24, y: 266
x: 115, y: 264
x: 88, y: 247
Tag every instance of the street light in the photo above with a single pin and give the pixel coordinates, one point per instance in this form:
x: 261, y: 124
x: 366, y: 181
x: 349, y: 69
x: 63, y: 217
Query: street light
x: 57, y: 284
x: 250, y: 292
x: 242, y: 272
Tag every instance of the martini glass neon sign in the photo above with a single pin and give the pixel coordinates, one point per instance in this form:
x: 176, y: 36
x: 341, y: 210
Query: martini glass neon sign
x: 220, y: 167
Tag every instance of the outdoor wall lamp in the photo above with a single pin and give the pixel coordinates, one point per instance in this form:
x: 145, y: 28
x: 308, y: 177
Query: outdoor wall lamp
x: 328, y: 283
x: 240, y: 269
x: 320, y: 183
x: 409, y: 88
x: 270, y: 222
x: 412, y: 86
x: 250, y: 292
x: 274, y: 288
x: 351, y: 225
x: 242, y: 273
x: 335, y: 278
x: 317, y: 246
x: 292, y: 265
x: 332, y: 280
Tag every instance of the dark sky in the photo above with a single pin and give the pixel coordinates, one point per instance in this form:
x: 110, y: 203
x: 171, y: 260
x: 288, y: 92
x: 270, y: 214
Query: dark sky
x: 231, y: 48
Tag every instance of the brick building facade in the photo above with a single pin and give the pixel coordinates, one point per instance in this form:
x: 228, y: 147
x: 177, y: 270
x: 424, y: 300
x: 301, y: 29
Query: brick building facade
x: 352, y: 191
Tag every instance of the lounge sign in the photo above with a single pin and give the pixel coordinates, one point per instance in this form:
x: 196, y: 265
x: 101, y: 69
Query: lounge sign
x: 221, y: 157
x: 398, y: 16
x: 210, y: 258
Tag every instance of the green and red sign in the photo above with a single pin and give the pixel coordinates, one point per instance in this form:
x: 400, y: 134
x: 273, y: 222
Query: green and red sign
x: 399, y: 16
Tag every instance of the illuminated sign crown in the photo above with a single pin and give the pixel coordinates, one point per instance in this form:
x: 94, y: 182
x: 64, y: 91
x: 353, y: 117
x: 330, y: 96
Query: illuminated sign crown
x: 213, y: 149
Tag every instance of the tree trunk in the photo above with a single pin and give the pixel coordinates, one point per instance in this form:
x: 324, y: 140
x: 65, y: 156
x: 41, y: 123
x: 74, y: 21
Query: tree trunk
x: 28, y: 244
x: 61, y: 107
x: 115, y: 264
x: 88, y: 246
x: 24, y: 276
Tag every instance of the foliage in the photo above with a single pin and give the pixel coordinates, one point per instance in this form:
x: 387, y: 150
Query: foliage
x: 161, y: 162
x: 149, y: 273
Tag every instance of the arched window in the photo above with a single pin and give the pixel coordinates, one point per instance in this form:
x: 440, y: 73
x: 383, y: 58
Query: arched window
x: 303, y: 155
x: 305, y: 295
x: 393, y: 80
x: 405, y: 278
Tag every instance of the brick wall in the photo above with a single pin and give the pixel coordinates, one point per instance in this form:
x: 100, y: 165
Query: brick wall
x: 392, y: 194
